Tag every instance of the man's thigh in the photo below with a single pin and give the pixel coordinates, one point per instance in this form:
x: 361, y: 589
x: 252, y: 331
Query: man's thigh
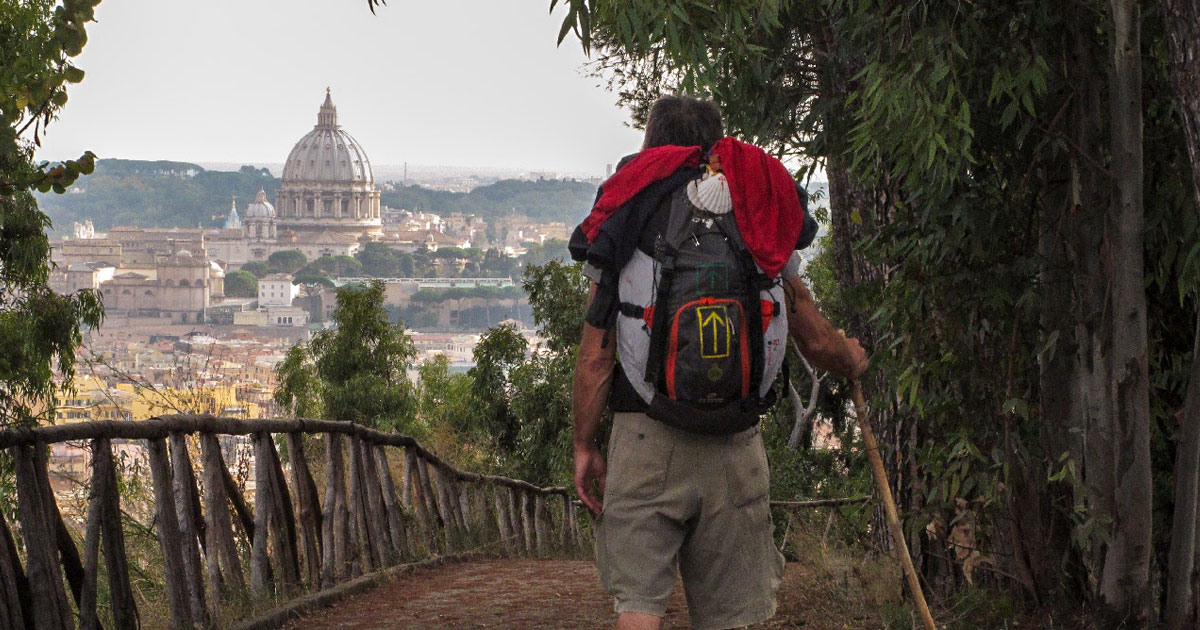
x: 639, y: 532
x: 729, y: 562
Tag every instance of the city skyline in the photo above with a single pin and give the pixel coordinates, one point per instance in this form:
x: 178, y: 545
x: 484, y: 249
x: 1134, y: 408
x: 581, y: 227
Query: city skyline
x: 157, y: 91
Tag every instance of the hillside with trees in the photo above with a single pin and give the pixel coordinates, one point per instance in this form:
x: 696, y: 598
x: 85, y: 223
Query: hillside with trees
x: 543, y: 200
x: 154, y: 194
x: 181, y: 194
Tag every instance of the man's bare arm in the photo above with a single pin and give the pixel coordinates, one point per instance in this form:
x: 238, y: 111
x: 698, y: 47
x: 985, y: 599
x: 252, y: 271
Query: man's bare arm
x: 593, y: 381
x: 822, y: 344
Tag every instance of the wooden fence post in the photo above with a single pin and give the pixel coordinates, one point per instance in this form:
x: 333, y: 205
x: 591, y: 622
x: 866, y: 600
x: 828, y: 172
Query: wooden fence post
x: 358, y: 515
x: 406, y: 479
x: 260, y: 561
x: 564, y: 532
x: 431, y: 504
x: 514, y: 516
x: 49, y: 607
x: 14, y: 588
x: 335, y: 519
x: 245, y: 516
x: 527, y: 523
x: 309, y: 522
x: 449, y: 526
x: 72, y: 566
x: 395, y: 515
x: 120, y: 591
x: 88, y: 619
x: 449, y: 487
x: 377, y: 518
x: 412, y: 470
x: 188, y: 535
x: 464, y: 507
x: 542, y: 535
x: 221, y: 548
x: 283, y: 520
x: 168, y: 535
x: 502, y: 523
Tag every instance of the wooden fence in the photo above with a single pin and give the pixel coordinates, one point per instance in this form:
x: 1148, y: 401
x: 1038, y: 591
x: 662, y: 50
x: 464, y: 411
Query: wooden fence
x: 297, y: 540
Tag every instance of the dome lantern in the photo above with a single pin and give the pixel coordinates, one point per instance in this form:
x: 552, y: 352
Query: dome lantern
x: 327, y: 116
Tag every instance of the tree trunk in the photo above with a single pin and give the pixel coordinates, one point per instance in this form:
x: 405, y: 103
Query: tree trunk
x: 1182, y: 21
x: 1179, y: 606
x: 1124, y: 583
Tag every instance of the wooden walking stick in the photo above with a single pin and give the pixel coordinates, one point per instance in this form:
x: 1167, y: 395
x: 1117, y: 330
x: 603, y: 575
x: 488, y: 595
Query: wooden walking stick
x: 889, y: 504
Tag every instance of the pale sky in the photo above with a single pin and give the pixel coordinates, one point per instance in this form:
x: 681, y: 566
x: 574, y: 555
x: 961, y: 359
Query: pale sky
x: 464, y: 83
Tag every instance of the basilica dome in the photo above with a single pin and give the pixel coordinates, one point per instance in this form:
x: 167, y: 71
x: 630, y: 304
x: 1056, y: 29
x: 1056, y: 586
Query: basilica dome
x: 261, y: 208
x: 327, y: 183
x: 327, y: 153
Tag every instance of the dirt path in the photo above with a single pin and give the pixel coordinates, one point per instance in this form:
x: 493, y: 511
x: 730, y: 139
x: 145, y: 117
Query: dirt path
x: 553, y: 594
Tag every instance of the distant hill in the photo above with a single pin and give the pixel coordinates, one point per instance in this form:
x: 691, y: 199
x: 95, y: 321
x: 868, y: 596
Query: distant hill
x: 182, y: 194
x: 542, y: 200
x: 158, y: 193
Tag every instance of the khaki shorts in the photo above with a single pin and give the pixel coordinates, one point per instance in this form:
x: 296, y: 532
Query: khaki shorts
x: 697, y: 504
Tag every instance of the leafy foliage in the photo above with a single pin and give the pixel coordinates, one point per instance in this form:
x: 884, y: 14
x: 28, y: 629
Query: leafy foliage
x: 377, y: 260
x: 299, y: 389
x: 558, y: 295
x: 241, y: 284
x: 499, y: 351
x: 356, y: 370
x: 286, y: 261
x: 259, y: 269
x: 39, y: 329
x: 333, y: 266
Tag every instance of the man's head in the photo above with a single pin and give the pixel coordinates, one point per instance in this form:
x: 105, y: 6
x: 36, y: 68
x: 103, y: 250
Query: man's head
x: 683, y: 121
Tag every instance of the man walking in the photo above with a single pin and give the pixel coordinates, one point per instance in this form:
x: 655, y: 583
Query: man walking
x: 691, y: 252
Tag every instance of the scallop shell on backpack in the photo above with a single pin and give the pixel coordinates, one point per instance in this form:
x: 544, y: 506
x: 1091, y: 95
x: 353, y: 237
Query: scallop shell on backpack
x: 711, y: 194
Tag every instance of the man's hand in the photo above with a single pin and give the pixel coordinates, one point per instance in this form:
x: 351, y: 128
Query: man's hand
x: 590, y: 469
x: 856, y: 359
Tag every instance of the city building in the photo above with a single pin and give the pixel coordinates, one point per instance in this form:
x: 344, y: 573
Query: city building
x: 180, y: 287
x: 277, y: 290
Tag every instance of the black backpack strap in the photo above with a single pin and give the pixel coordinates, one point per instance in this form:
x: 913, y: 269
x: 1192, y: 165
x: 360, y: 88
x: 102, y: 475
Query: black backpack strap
x: 753, y: 302
x: 656, y: 357
x: 602, y: 312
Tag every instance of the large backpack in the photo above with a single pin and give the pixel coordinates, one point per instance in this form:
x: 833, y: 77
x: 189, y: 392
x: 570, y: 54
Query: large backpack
x: 700, y: 331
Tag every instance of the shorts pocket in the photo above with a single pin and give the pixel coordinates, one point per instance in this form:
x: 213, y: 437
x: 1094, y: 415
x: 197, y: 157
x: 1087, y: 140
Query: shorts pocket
x: 638, y: 462
x: 748, y: 472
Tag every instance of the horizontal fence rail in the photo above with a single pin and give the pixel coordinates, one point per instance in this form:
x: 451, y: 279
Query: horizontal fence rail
x: 293, y: 536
